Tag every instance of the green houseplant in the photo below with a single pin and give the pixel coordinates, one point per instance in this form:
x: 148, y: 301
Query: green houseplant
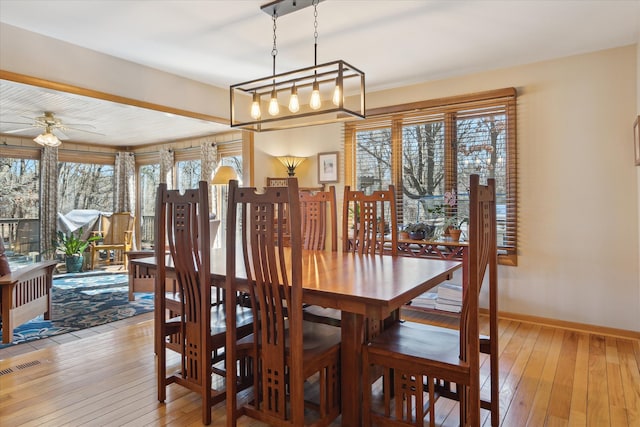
x: 73, y: 247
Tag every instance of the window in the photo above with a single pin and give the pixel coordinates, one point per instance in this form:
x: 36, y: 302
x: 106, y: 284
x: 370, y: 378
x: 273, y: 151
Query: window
x: 85, y: 186
x: 187, y: 174
x: 149, y: 176
x: 431, y: 148
x: 220, y: 192
x: 20, y: 205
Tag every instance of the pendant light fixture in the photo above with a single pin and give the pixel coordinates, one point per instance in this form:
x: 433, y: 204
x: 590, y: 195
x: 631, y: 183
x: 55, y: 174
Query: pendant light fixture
x: 318, y: 94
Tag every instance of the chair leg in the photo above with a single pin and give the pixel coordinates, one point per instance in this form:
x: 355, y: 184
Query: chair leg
x: 93, y: 255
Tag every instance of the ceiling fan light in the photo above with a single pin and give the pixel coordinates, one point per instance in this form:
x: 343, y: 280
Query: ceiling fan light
x: 48, y: 139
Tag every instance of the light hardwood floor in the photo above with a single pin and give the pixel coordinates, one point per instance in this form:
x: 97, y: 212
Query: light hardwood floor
x: 548, y: 377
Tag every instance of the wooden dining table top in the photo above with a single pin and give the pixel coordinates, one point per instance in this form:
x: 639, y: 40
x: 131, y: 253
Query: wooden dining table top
x: 371, y: 285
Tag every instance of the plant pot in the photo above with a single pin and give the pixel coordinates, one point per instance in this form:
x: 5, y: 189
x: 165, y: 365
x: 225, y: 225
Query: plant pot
x: 403, y: 235
x: 74, y: 263
x: 454, y: 233
x: 430, y: 231
x: 416, y: 235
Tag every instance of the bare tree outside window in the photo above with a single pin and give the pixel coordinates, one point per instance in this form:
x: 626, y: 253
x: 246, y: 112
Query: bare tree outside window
x: 149, y: 180
x: 20, y: 204
x: 85, y: 186
x: 188, y: 174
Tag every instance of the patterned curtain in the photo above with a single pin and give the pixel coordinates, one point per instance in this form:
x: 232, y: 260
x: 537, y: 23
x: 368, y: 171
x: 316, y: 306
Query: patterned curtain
x: 125, y: 182
x: 48, y: 200
x: 166, y: 166
x: 209, y: 156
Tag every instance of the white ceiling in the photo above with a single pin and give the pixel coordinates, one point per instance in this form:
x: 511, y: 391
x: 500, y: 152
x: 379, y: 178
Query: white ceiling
x: 223, y: 42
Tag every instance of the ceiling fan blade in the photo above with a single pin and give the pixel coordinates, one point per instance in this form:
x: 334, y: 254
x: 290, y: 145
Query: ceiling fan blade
x: 81, y: 130
x: 18, y: 123
x: 78, y: 125
x: 19, y: 130
x: 61, y: 135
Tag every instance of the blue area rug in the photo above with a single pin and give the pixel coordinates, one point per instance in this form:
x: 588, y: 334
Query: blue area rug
x: 83, y: 301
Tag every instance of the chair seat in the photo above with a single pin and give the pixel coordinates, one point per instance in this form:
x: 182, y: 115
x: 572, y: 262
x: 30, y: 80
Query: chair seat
x: 317, y: 338
x: 244, y: 319
x: 318, y: 314
x: 419, y: 341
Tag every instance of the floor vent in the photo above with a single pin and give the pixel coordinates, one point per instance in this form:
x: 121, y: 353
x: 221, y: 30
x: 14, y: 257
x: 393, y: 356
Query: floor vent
x: 28, y: 364
x: 5, y: 371
x: 19, y: 367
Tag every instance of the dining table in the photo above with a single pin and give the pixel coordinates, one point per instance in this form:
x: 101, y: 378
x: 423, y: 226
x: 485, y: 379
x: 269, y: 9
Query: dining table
x: 360, y: 286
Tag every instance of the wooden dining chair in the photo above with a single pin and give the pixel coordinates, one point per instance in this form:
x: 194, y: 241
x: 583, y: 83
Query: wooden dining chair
x: 369, y: 226
x: 488, y: 346
x: 197, y: 329
x: 285, y: 350
x: 415, y: 357
x: 317, y: 209
x: 370, y: 222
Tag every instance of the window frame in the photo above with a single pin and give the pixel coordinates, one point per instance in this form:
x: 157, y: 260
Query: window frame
x: 396, y: 115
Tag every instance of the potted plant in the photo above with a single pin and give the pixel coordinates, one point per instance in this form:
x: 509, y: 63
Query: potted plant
x: 419, y: 231
x: 73, y: 247
x: 453, y: 227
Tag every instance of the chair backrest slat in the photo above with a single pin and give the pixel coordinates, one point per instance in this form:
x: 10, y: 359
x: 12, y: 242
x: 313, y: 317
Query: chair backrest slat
x: 115, y: 226
x: 318, y: 208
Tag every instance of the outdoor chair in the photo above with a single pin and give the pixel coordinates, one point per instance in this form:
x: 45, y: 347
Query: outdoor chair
x: 116, y: 231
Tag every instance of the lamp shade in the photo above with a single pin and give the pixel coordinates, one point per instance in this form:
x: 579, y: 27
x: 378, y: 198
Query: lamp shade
x: 223, y: 175
x: 291, y: 163
x: 47, y: 138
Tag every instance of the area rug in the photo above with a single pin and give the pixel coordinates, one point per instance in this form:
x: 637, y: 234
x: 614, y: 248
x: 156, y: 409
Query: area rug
x: 83, y: 301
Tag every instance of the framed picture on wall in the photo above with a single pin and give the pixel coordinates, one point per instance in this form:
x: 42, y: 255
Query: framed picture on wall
x: 328, y: 167
x: 636, y: 139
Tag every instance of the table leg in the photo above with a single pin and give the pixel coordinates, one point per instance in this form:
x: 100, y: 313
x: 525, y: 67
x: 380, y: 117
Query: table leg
x: 352, y: 326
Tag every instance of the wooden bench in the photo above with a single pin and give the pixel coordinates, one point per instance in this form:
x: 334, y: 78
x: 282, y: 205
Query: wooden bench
x: 26, y: 293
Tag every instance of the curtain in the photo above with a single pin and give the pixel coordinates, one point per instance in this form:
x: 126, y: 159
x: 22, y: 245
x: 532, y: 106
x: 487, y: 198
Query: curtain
x: 125, y: 175
x: 166, y: 166
x: 48, y: 200
x: 209, y: 156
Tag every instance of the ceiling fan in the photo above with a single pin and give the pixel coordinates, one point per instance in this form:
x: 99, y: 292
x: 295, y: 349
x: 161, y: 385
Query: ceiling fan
x: 53, y: 129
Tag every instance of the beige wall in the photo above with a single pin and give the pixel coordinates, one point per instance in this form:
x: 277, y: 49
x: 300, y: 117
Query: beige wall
x: 578, y: 189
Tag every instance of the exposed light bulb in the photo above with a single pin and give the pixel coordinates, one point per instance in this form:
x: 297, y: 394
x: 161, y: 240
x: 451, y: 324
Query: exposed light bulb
x: 337, y: 94
x: 255, y: 107
x: 274, y: 108
x: 294, y: 104
x: 315, y: 102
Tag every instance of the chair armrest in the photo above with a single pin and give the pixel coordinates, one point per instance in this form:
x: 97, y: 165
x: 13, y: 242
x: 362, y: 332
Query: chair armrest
x: 128, y: 237
x: 29, y: 272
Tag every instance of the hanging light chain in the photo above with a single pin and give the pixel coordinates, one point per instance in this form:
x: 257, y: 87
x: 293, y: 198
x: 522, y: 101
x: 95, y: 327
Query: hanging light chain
x: 274, y: 50
x: 315, y: 32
